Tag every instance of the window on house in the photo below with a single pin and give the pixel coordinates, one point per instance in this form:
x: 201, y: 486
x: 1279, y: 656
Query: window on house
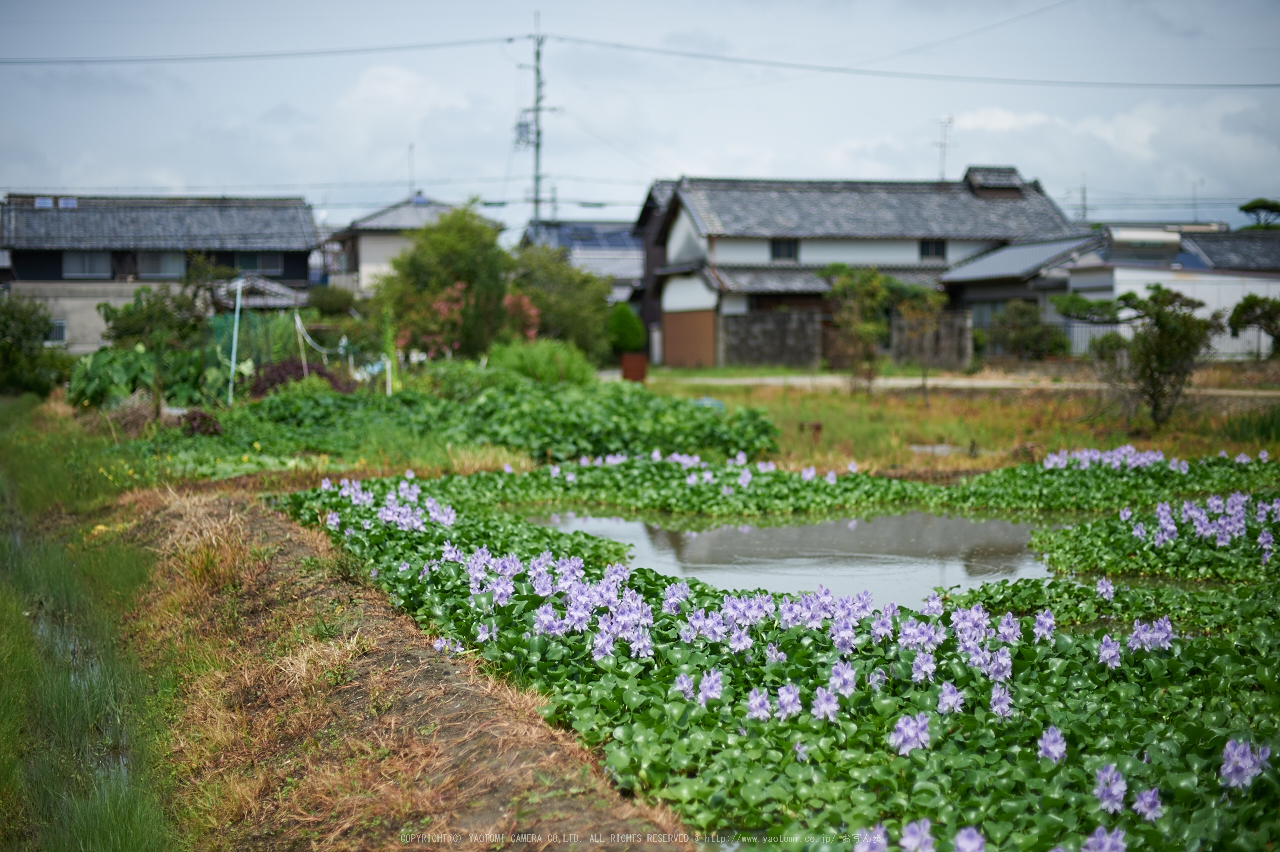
x: 58, y: 334
x: 66, y: 204
x: 162, y: 264
x: 784, y: 250
x: 261, y: 262
x: 86, y: 264
x: 933, y: 249
x: 44, y: 202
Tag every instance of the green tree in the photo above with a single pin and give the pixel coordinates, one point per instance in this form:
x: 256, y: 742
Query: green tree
x: 1019, y: 330
x: 1265, y: 212
x: 860, y: 299
x: 165, y: 322
x: 459, y: 247
x: 24, y: 325
x: 572, y: 303
x: 921, y: 314
x: 331, y: 301
x: 1169, y: 341
x: 626, y: 331
x: 1254, y: 311
x: 203, y: 275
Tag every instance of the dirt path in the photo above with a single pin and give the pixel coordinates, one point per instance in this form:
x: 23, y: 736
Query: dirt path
x: 310, y: 714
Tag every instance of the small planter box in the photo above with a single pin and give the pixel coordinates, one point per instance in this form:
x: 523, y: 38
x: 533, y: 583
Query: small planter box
x: 634, y: 366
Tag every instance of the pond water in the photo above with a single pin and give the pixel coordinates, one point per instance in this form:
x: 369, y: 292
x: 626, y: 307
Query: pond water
x: 897, y: 557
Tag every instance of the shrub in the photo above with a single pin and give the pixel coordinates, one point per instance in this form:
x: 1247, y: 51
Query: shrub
x: 199, y: 422
x: 626, y: 331
x: 273, y: 376
x: 1020, y: 332
x: 331, y: 301
x: 545, y: 361
x: 572, y: 303
x: 24, y: 324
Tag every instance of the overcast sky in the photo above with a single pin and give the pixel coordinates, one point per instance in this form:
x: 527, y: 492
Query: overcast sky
x: 338, y: 129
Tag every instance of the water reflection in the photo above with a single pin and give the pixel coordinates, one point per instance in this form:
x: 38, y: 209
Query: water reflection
x: 896, y: 557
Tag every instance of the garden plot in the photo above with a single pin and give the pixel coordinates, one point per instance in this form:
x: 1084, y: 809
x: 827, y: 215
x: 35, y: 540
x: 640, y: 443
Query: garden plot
x: 819, y: 713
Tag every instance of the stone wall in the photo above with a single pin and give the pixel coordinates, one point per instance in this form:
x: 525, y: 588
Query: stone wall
x: 946, y: 346
x: 771, y: 338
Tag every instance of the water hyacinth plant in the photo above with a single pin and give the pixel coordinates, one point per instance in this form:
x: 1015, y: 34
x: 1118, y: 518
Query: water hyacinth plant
x: 753, y: 711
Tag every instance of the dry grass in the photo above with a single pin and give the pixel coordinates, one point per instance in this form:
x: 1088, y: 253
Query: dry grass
x: 471, y: 459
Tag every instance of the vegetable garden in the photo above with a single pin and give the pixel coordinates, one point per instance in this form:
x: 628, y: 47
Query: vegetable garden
x: 1131, y: 703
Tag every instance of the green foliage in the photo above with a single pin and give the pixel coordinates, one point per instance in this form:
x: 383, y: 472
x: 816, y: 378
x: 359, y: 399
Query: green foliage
x: 1254, y: 426
x: 572, y: 303
x: 331, y: 301
x: 861, y: 298
x: 547, y: 362
x: 1254, y: 311
x: 1169, y: 340
x: 626, y: 331
x: 1264, y: 211
x: 1162, y: 717
x: 155, y: 318
x: 1018, y: 329
x: 109, y: 375
x: 460, y: 246
x: 24, y: 325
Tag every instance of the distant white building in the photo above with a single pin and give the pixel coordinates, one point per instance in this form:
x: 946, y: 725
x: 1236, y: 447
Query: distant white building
x: 368, y: 243
x: 607, y: 249
x: 1204, y: 263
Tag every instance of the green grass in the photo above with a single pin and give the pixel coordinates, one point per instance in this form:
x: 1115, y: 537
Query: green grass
x: 77, y: 732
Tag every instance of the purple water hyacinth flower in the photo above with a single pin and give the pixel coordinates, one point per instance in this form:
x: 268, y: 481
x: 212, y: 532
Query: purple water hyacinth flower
x: 808, y: 474
x: 843, y: 679
x: 332, y: 520
x: 1105, y: 590
x: 684, y: 685
x: 1043, y: 628
x: 1139, y: 531
x: 740, y: 641
x: 546, y: 621
x: 326, y: 485
x: 788, y: 701
x: 1126, y: 513
x: 911, y: 732
x: 917, y: 837
x: 1052, y: 745
x: 872, y: 839
x: 1241, y: 764
x: 744, y: 478
x: 923, y: 667
x: 876, y: 679
x: 1147, y: 805
x: 968, y: 839
x: 482, y: 632
x: 642, y: 645
x: 932, y: 606
x: 853, y: 467
x: 1243, y: 459
x: 1101, y: 841
x: 602, y: 646
x: 570, y: 477
x: 758, y: 706
x: 1110, y: 789
x: 1010, y: 629
x: 773, y: 655
x: 950, y: 699
x: 709, y: 689
x: 801, y: 752
x: 882, y: 627
x: 825, y: 705
x: 842, y: 635
x: 830, y: 477
x: 1001, y: 666
x: 1109, y: 652
x: 1001, y: 703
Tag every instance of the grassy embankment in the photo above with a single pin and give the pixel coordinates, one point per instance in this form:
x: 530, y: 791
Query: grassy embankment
x: 986, y: 427
x: 78, y: 723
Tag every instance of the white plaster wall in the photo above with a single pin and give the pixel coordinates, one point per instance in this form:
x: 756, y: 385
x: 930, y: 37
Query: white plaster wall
x: 731, y: 250
x: 1098, y: 280
x: 733, y: 304
x: 687, y: 293
x: 376, y: 251
x: 958, y: 250
x: 76, y: 303
x: 860, y: 252
x: 684, y: 243
x: 1218, y: 292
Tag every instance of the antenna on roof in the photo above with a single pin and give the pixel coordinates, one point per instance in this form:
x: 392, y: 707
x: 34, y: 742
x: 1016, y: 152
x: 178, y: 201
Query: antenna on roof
x: 942, y: 145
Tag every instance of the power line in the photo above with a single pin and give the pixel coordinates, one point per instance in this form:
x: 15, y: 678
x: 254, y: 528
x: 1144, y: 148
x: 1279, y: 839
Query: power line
x: 964, y: 35
x: 906, y: 75
x: 236, y: 57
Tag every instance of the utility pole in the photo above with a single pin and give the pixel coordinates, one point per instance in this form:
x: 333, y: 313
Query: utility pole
x: 1084, y: 199
x: 1195, y: 200
x: 533, y: 136
x: 942, y: 146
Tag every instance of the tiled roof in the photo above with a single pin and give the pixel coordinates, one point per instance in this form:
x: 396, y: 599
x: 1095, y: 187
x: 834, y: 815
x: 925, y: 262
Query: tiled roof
x: 795, y: 279
x: 407, y: 215
x: 160, y: 224
x: 873, y: 209
x: 655, y: 202
x: 1251, y: 251
x: 609, y: 264
x: 1021, y: 260
x: 258, y: 293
